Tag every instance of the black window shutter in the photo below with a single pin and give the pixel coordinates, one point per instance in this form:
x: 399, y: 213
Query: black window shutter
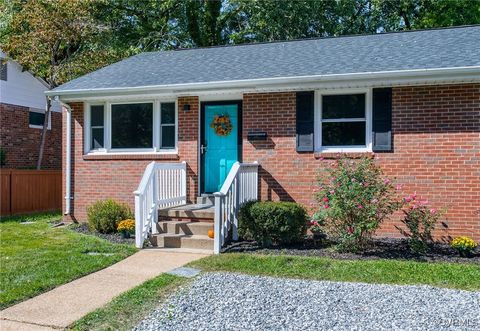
x: 305, y: 116
x: 382, y: 119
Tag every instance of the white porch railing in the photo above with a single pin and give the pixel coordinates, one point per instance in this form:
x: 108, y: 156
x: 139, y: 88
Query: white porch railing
x: 162, y: 185
x: 241, y: 185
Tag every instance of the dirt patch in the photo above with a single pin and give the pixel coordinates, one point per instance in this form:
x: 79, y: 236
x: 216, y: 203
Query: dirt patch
x: 382, y: 248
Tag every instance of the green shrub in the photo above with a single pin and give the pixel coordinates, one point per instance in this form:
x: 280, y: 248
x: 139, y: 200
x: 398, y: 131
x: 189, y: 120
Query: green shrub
x: 270, y: 222
x: 355, y: 197
x: 420, y: 221
x: 246, y: 225
x: 104, y: 215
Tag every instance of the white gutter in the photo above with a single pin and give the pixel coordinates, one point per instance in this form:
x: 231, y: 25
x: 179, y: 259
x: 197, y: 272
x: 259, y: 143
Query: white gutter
x: 68, y: 154
x: 413, y: 74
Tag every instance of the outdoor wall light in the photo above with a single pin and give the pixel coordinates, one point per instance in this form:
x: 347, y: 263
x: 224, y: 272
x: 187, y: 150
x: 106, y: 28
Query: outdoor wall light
x: 186, y: 108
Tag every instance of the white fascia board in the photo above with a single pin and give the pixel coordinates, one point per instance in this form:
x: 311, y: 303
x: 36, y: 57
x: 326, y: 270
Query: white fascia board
x: 368, y: 79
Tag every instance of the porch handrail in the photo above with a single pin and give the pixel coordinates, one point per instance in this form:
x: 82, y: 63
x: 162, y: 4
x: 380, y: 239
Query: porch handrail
x: 162, y: 185
x: 240, y: 186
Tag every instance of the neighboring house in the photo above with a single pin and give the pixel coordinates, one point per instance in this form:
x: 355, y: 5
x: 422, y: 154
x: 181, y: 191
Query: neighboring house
x: 22, y: 112
x: 410, y: 100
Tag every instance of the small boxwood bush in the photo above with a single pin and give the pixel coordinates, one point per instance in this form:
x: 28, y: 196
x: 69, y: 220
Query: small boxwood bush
x: 269, y: 222
x: 104, y: 215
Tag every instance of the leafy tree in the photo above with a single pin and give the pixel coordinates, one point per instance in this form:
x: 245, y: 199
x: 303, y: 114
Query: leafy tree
x: 444, y: 13
x: 208, y: 22
x: 54, y: 40
x: 394, y: 15
x: 269, y: 20
x: 142, y: 25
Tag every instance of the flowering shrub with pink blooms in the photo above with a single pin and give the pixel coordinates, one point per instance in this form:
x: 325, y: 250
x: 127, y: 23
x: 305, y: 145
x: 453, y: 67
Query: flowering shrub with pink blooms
x: 355, y: 198
x: 316, y: 226
x: 420, y: 220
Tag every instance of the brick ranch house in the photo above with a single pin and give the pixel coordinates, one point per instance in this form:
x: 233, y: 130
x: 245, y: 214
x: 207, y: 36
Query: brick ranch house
x: 22, y: 113
x: 410, y: 100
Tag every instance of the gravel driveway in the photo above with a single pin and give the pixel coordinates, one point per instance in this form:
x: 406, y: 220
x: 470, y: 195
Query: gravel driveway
x: 227, y: 301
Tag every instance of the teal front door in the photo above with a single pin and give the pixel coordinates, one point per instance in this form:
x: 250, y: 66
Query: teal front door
x: 220, y: 142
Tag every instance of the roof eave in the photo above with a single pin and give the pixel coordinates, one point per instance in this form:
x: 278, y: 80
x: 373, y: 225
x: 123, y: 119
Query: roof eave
x: 400, y: 77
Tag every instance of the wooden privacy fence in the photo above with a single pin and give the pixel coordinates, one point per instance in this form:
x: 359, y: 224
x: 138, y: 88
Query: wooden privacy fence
x: 30, y: 191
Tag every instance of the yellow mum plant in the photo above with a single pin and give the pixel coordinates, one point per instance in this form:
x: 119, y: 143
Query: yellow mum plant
x: 127, y: 225
x: 464, y: 245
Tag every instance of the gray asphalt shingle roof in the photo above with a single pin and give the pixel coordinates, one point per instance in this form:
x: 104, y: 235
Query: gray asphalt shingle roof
x: 442, y: 48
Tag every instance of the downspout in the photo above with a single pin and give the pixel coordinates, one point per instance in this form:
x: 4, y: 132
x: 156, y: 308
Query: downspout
x: 68, y: 154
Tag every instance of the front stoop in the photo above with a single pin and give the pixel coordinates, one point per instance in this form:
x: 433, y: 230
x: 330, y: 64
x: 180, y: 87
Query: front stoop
x: 195, y: 212
x: 169, y: 240
x: 184, y: 227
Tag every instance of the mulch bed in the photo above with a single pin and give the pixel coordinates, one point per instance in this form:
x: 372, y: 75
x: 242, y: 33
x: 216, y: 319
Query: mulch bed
x: 382, y: 248
x: 115, y: 238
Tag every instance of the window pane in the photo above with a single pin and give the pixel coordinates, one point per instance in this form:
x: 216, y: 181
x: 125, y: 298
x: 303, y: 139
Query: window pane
x: 343, y: 134
x: 96, y: 115
x: 3, y: 69
x: 35, y: 118
x: 168, y: 137
x: 168, y: 113
x: 132, y: 125
x: 97, y: 138
x: 343, y: 106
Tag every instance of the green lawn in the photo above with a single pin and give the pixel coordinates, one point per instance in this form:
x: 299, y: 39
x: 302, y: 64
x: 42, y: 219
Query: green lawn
x: 129, y: 308
x: 125, y: 311
x: 36, y: 257
x: 450, y: 275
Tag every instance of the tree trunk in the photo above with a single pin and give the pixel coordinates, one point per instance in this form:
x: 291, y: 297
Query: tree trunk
x: 404, y: 15
x: 44, y: 133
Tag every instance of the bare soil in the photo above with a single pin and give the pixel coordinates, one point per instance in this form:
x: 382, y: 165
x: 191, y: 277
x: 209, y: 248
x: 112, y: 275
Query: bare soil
x: 115, y: 238
x: 381, y: 248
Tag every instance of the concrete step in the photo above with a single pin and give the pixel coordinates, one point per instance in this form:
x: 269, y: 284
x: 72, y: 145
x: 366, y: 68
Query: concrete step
x: 197, y: 242
x: 206, y: 199
x: 185, y: 227
x: 192, y: 211
x: 169, y: 240
x: 185, y: 250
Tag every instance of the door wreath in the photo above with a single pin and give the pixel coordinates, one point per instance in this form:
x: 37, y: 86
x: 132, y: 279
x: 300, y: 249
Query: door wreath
x: 221, y: 125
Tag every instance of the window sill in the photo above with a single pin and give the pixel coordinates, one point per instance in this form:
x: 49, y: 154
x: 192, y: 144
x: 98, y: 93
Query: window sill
x: 131, y: 156
x: 339, y: 155
x: 40, y: 127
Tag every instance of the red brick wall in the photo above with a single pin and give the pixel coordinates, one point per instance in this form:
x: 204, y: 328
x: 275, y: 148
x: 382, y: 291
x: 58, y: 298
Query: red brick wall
x: 21, y: 143
x: 99, y: 177
x: 436, y: 151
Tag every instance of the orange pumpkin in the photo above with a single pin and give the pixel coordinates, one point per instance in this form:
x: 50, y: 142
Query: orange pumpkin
x: 211, y: 234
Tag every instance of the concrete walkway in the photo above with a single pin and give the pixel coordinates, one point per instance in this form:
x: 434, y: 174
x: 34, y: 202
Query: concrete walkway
x: 65, y: 304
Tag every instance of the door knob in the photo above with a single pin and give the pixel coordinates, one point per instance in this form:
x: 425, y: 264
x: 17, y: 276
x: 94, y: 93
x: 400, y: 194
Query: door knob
x: 203, y: 149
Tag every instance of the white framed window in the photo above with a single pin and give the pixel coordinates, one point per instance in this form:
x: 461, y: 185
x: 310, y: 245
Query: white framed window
x: 343, y: 120
x: 168, y: 126
x: 36, y: 118
x: 3, y: 69
x: 131, y: 127
x: 97, y: 127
